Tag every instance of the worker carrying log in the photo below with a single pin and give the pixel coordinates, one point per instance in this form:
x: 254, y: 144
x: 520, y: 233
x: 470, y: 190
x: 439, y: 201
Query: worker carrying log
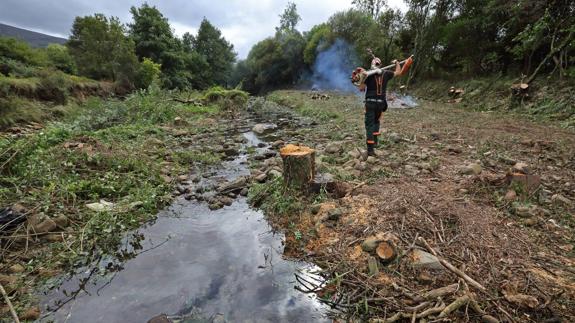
x: 374, y: 83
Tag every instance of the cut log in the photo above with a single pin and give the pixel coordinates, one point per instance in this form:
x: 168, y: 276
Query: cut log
x: 386, y: 251
x: 298, y: 166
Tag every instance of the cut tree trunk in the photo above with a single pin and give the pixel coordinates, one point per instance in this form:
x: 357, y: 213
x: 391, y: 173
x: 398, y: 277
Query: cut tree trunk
x: 386, y: 251
x: 298, y: 166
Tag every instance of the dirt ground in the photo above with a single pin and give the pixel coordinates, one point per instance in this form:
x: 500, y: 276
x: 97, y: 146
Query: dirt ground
x: 492, y: 194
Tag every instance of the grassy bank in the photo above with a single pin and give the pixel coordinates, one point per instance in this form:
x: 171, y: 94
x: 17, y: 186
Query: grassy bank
x: 126, y: 156
x: 547, y: 100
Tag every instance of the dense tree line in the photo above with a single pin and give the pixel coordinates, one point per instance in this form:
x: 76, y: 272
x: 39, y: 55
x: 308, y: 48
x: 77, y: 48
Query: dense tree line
x: 132, y: 56
x: 105, y: 49
x: 450, y: 38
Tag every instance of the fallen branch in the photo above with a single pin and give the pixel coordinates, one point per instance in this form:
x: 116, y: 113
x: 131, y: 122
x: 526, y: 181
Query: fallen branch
x: 12, y: 311
x: 461, y: 301
x: 355, y: 188
x: 453, y: 269
x: 439, y: 292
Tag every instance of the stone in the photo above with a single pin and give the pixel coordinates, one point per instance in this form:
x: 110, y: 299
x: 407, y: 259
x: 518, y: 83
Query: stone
x: 102, y: 206
x: 454, y: 150
x: 370, y: 244
x: 179, y: 121
x: 559, y: 199
x: 334, y: 214
x: 16, y: 269
x: 264, y: 128
x: 471, y: 169
x: 45, y: 226
x: 234, y: 186
x: 394, y: 137
x: 360, y: 166
x: 182, y: 178
x: 225, y: 200
x: 244, y: 191
x: 215, y: 206
x: 333, y: 148
x: 521, y: 168
x: 162, y: 318
x: 33, y: 313
x: 423, y: 259
x: 372, y: 160
x: 354, y: 154
x: 510, y: 196
x: 278, y: 143
x: 62, y: 221
x: 261, y: 178
x: 524, y: 211
x: 182, y: 189
x: 274, y: 173
x: 530, y: 222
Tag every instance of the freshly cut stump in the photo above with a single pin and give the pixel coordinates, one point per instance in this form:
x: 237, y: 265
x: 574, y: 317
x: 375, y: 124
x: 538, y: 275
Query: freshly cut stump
x: 299, y: 166
x: 386, y: 251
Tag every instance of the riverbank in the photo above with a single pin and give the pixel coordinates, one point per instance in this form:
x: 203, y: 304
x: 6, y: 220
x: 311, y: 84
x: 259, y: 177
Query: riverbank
x: 491, y: 193
x: 72, y: 188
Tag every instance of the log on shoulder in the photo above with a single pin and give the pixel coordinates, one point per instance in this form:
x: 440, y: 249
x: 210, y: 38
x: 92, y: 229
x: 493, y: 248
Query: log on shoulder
x: 299, y: 166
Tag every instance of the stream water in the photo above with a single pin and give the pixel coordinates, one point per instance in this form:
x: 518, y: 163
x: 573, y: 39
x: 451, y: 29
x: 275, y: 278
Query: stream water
x: 198, y: 266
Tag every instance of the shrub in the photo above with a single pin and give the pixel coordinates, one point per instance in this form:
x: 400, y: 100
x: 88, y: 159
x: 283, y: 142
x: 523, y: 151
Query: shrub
x: 148, y: 73
x: 54, y: 86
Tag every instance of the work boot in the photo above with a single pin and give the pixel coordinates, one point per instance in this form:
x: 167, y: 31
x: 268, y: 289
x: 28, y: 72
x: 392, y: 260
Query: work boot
x: 371, y: 152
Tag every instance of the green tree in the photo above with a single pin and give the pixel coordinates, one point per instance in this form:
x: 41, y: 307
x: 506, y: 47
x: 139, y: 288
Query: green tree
x: 216, y: 50
x: 59, y: 57
x: 289, y: 18
x: 155, y: 40
x: 371, y: 7
x: 148, y: 73
x: 101, y: 49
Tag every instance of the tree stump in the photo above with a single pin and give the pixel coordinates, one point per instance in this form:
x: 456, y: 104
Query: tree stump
x: 386, y: 251
x: 298, y: 166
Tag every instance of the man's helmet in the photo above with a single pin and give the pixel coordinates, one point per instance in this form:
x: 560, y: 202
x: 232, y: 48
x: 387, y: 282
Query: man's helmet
x: 375, y: 63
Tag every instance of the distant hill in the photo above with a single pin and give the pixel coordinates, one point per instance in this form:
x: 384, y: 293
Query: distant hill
x: 33, y: 38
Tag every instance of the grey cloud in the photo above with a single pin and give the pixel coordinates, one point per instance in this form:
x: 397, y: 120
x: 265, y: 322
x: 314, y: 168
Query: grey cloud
x: 242, y: 22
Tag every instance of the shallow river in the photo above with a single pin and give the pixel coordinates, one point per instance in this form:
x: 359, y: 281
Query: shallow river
x: 199, y: 265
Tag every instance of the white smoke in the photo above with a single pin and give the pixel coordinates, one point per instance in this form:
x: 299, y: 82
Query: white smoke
x: 333, y: 66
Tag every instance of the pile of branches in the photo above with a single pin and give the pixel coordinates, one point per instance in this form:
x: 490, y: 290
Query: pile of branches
x: 486, y: 276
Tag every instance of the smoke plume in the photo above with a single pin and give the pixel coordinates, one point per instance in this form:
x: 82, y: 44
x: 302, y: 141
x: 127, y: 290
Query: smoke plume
x: 333, y: 66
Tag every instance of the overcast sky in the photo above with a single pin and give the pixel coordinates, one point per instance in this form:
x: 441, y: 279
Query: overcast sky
x: 242, y: 22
